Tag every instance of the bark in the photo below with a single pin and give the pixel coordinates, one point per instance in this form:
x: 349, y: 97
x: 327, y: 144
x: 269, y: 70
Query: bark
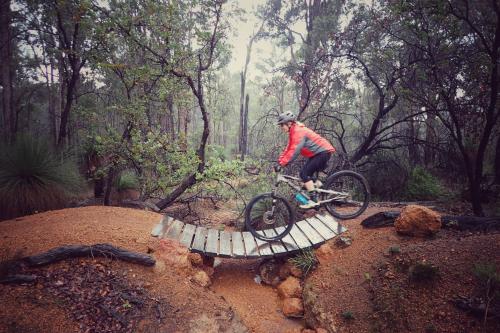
x: 497, y: 162
x: 6, y: 71
x: 430, y: 139
x: 244, y: 137
x: 169, y: 119
x: 69, y: 45
x: 97, y: 250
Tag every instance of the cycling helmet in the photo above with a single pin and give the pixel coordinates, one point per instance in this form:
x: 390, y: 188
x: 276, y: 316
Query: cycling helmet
x: 286, y: 117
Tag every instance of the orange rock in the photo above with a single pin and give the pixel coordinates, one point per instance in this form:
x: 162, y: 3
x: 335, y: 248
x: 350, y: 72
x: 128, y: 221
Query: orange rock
x: 293, y: 307
x: 321, y: 330
x: 417, y: 221
x: 290, y: 288
x: 201, y: 278
x: 195, y: 259
x: 307, y: 330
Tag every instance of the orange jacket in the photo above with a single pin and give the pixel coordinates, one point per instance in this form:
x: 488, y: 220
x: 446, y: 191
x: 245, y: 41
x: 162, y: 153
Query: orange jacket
x: 304, y: 141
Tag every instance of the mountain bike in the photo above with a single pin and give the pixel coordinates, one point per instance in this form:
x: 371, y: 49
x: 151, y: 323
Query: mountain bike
x: 270, y: 217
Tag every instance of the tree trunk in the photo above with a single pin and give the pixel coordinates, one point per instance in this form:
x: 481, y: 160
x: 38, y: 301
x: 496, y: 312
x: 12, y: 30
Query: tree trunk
x: 169, y: 119
x: 6, y: 75
x: 497, y: 161
x: 97, y: 250
x: 244, y: 136
x: 430, y: 139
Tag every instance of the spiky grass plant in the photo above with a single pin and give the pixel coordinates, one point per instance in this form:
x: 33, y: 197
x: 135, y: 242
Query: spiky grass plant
x: 33, y: 178
x: 306, y: 261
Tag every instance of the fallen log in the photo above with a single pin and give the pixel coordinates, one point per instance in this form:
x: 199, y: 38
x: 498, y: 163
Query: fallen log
x: 18, y: 278
x: 469, y: 223
x: 97, y: 250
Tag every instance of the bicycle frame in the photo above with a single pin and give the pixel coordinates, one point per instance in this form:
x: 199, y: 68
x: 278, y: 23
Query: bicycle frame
x: 294, y: 182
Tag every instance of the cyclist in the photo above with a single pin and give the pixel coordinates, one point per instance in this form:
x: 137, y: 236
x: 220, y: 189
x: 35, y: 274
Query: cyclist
x: 304, y: 141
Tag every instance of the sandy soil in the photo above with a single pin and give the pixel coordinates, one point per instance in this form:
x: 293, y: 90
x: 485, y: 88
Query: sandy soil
x: 357, y: 279
x: 28, y: 309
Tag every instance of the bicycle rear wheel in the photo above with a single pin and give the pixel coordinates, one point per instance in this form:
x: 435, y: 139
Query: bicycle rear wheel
x: 269, y: 217
x: 355, y: 198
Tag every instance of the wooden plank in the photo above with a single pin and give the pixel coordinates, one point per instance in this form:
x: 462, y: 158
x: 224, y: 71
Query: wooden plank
x: 160, y: 228
x: 276, y: 246
x: 225, y: 244
x: 175, y: 230
x: 250, y: 245
x: 288, y: 241
x: 264, y: 247
x: 313, y: 236
x: 299, y: 238
x: 330, y: 222
x: 187, y: 235
x: 167, y: 223
x: 237, y: 242
x: 212, y: 246
x: 322, y: 229
x: 199, y: 240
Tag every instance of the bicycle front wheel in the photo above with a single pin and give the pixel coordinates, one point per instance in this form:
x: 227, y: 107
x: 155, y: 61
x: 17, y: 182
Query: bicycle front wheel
x: 349, y: 194
x: 269, y: 217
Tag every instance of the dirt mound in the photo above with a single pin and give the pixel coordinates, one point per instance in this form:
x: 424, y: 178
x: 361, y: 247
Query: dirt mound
x: 170, y: 302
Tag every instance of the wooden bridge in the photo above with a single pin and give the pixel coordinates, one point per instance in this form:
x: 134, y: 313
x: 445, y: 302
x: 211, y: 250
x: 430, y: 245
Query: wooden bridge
x: 311, y: 232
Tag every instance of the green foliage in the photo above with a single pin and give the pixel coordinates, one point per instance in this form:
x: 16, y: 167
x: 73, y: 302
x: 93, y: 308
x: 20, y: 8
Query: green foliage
x: 488, y: 278
x: 394, y: 250
x: 423, y: 186
x: 33, y: 178
x: 347, y: 315
x: 305, y: 261
x: 127, y: 181
x: 423, y: 272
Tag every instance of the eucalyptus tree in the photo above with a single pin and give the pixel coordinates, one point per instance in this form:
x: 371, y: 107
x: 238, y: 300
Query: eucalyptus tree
x: 320, y: 18
x: 458, y: 77
x: 183, y: 40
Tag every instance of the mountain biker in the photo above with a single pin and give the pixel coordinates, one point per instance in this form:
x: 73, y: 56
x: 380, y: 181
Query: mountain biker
x: 304, y: 141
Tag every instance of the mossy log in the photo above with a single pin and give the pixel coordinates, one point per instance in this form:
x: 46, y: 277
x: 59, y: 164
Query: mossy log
x: 97, y: 250
x: 470, y: 223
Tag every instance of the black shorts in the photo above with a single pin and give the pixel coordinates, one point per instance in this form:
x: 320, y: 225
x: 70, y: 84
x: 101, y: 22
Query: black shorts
x: 314, y: 164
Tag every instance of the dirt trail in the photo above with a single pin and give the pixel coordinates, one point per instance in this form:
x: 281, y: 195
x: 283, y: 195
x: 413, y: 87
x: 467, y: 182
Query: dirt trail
x: 257, y: 305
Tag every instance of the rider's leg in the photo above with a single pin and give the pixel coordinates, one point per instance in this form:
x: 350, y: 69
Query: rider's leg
x: 313, y: 165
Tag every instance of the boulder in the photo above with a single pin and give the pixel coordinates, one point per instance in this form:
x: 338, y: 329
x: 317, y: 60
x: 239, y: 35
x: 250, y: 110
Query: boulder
x: 195, y: 259
x: 288, y: 269
x: 174, y: 255
x: 417, y: 221
x: 292, y: 307
x: 290, y: 288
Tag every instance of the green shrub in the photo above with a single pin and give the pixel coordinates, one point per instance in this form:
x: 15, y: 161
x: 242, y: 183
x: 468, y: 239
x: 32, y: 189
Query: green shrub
x: 305, y: 261
x: 423, y: 272
x: 347, y: 315
x: 422, y: 186
x: 33, y: 178
x: 127, y: 181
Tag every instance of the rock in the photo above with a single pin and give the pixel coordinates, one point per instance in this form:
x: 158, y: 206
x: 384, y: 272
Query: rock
x: 290, y: 288
x: 269, y: 272
x: 417, y: 221
x: 321, y: 330
x: 314, y: 314
x: 324, y: 252
x: 201, y: 278
x: 288, y: 269
x: 195, y: 259
x: 292, y: 307
x: 174, y: 255
x: 343, y: 241
x: 307, y: 330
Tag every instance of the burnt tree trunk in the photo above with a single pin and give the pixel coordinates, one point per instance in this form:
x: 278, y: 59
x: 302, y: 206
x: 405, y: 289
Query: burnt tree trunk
x: 497, y: 162
x: 97, y: 250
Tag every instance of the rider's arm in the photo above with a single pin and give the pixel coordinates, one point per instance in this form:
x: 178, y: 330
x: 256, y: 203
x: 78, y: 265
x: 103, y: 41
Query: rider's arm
x: 296, y: 141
